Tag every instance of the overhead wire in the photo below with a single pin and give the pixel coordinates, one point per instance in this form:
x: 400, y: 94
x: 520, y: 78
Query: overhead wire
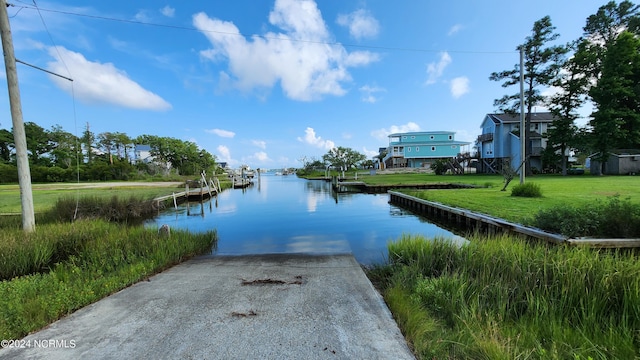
x: 187, y: 28
x: 73, y: 100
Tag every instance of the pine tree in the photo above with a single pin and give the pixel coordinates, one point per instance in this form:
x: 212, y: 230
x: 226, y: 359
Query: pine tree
x: 541, y: 66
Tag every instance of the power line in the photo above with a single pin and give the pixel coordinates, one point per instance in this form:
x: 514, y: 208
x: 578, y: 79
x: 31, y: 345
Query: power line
x: 41, y: 69
x: 52, y: 42
x: 187, y: 28
x: 73, y: 97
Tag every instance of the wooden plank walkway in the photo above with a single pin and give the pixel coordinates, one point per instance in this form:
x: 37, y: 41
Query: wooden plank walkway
x: 198, y: 193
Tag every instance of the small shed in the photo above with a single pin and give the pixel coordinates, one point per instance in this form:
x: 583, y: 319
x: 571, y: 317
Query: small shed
x: 620, y: 162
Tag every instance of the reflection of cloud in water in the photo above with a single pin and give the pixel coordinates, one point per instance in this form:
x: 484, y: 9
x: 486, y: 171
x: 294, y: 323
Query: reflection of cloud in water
x: 318, y: 244
x: 227, y: 208
x: 225, y: 194
x: 318, y: 186
x: 312, y: 201
x: 379, y: 200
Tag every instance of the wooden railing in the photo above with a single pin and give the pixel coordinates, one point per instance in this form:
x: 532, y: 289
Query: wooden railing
x: 485, y: 137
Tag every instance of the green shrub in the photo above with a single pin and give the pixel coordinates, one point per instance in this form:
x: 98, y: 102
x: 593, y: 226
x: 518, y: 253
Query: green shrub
x: 440, y: 166
x: 8, y: 173
x: 526, y: 190
x: 620, y: 219
x: 616, y: 219
x: 569, y: 221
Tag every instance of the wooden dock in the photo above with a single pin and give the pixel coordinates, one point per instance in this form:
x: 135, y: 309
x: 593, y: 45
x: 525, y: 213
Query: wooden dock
x: 485, y: 224
x: 240, y: 182
x: 211, y: 188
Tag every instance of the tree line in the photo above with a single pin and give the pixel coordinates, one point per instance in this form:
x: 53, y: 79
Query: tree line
x: 602, y: 66
x: 57, y: 155
x: 339, y: 158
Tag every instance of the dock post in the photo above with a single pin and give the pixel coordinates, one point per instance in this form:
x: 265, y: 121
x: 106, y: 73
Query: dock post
x: 204, y: 183
x: 175, y: 203
x: 213, y: 185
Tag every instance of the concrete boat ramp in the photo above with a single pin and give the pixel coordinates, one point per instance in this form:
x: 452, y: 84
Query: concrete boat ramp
x: 232, y: 307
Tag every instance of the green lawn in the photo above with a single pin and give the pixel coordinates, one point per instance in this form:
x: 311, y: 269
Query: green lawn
x: 45, y: 195
x: 556, y: 190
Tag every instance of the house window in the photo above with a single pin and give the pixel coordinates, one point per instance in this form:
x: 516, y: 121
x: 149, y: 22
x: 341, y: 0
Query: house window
x: 431, y: 137
x: 413, y: 137
x: 417, y: 149
x: 404, y: 137
x: 453, y: 146
x: 433, y: 148
x: 450, y: 137
x: 408, y: 149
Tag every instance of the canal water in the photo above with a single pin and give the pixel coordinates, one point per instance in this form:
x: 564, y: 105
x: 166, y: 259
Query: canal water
x: 286, y: 214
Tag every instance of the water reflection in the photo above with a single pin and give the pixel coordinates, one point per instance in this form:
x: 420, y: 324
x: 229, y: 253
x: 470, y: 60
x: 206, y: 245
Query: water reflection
x: 284, y: 214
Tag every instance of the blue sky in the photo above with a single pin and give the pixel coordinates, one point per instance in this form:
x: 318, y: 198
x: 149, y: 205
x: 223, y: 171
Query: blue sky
x: 266, y: 82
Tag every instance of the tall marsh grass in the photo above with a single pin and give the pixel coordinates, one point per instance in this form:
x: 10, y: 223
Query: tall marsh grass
x: 63, y: 267
x: 22, y: 254
x: 124, y: 210
x: 507, y: 298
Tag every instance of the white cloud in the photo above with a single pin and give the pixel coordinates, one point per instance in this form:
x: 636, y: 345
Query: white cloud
x: 221, y: 133
x: 259, y: 143
x: 168, y: 11
x: 142, y: 16
x: 455, y: 29
x: 261, y: 156
x: 224, y: 153
x: 306, y: 70
x: 311, y: 139
x: 435, y: 70
x: 368, y: 93
x: 459, y: 86
x: 369, y: 153
x: 382, y: 134
x: 361, y: 24
x: 101, y: 83
x: 464, y: 135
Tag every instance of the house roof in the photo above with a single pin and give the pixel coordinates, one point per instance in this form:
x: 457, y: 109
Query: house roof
x: 515, y: 118
x: 430, y: 143
x: 620, y: 152
x: 422, y: 133
x: 143, y: 148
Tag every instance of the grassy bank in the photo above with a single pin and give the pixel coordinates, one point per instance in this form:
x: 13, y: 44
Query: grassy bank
x: 69, y: 266
x: 507, y: 299
x: 45, y: 195
x: 488, y: 199
x: 65, y: 265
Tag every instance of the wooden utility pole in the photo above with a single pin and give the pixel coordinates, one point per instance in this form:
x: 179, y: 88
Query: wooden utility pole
x: 524, y: 133
x: 20, y: 139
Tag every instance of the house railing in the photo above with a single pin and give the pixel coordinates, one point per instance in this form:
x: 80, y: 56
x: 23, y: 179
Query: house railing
x: 485, y: 137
